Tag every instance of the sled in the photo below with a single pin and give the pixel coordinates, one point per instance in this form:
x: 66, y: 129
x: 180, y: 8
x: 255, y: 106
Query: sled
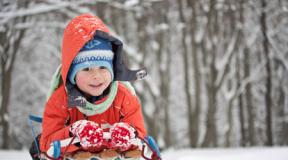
x: 146, y: 149
x: 106, y: 154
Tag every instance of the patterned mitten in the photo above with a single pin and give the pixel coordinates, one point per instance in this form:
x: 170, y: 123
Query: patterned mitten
x: 122, y: 135
x: 89, y: 133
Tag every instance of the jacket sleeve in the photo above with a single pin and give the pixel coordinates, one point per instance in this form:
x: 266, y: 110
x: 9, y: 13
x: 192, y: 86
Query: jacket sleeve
x: 53, y: 125
x: 132, y: 114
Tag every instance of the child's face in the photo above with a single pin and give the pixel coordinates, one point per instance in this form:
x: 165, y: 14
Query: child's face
x: 93, y: 81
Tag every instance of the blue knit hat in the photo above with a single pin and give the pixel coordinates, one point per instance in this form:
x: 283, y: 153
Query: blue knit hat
x: 97, y: 52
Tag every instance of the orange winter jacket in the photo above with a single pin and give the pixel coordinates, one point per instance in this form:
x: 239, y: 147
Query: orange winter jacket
x: 58, y: 116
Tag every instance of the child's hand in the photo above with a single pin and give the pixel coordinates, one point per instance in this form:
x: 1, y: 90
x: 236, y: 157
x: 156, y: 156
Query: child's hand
x: 89, y: 133
x: 122, y: 135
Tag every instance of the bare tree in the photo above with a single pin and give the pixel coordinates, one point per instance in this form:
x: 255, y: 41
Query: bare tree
x: 10, y: 40
x: 164, y: 57
x: 187, y: 88
x: 194, y: 134
x: 268, y: 96
x: 210, y: 139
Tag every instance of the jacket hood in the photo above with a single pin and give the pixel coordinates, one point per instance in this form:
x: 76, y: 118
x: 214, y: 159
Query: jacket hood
x: 79, y: 31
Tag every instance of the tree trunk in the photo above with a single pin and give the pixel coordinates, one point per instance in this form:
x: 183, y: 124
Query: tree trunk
x: 163, y: 67
x: 210, y: 137
x: 194, y: 134
x: 230, y: 121
x: 187, y: 86
x: 248, y: 96
x: 165, y: 78
x: 242, y: 120
x: 165, y: 102
x: 268, y: 94
x: 7, y: 65
x: 4, y: 115
x: 10, y: 50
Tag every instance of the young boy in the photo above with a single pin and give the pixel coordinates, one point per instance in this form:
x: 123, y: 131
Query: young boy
x: 91, y: 104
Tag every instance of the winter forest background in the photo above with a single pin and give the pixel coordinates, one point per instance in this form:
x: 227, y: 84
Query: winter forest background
x: 218, y: 69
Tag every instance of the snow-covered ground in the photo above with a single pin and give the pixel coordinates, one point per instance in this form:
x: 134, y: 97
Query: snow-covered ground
x: 197, y: 154
x: 228, y: 154
x: 15, y: 155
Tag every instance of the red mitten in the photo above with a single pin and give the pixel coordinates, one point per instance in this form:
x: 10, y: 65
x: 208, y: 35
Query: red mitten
x: 122, y: 135
x: 89, y: 133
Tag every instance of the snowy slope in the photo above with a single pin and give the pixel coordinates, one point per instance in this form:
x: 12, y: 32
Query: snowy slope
x: 197, y: 154
x: 14, y: 155
x: 228, y: 154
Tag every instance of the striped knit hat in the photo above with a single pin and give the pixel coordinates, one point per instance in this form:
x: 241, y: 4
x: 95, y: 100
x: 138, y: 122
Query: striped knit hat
x: 97, y: 52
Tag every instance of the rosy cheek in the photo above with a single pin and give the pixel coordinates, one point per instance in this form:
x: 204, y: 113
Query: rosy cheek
x: 108, y: 76
x: 80, y: 79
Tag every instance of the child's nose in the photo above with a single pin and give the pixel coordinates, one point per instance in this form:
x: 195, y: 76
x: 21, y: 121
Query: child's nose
x: 95, y: 73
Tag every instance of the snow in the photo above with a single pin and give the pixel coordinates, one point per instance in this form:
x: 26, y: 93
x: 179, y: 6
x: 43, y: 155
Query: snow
x: 275, y: 153
x: 38, y: 9
x: 15, y: 155
x: 228, y: 154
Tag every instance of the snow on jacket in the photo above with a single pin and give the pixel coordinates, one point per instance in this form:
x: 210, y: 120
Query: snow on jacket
x: 58, y: 117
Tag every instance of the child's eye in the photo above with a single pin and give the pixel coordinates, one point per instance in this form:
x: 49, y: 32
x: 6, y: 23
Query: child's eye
x: 86, y: 69
x: 102, y: 67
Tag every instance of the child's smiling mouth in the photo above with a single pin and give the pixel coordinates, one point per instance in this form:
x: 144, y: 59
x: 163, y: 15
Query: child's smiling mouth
x: 96, y: 86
